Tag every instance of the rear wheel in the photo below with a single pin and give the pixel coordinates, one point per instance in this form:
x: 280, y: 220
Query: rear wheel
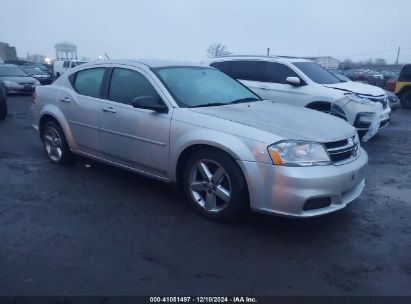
x: 406, y: 99
x: 215, y: 185
x: 3, y: 109
x: 55, y: 144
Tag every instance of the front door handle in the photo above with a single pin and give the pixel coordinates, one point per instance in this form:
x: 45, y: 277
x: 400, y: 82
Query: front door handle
x: 109, y: 110
x: 264, y: 88
x: 65, y: 99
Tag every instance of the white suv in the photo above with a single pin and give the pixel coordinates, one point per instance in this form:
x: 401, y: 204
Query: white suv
x: 304, y: 83
x: 61, y: 66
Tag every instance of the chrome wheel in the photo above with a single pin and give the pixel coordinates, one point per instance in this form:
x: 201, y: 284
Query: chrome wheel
x: 210, y: 185
x: 53, y: 144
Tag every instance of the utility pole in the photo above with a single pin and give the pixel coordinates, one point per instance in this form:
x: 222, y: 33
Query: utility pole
x: 268, y: 51
x: 398, y: 55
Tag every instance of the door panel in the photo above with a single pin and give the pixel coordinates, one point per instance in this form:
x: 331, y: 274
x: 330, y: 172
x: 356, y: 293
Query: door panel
x: 81, y: 108
x: 137, y: 138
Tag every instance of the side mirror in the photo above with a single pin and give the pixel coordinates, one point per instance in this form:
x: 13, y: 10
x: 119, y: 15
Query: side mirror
x: 294, y: 81
x: 149, y: 103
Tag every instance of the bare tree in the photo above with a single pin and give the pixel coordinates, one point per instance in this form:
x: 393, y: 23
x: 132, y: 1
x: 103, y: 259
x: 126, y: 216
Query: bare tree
x: 217, y: 49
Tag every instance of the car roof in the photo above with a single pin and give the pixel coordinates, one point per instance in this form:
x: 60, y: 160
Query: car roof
x: 151, y: 63
x: 284, y: 59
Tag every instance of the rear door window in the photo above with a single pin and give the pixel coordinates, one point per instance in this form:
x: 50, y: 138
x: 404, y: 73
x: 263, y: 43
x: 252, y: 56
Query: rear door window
x: 88, y: 82
x: 127, y: 84
x: 277, y: 72
x: 247, y: 70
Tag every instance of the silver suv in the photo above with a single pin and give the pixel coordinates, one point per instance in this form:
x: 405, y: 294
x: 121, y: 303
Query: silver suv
x: 195, y: 126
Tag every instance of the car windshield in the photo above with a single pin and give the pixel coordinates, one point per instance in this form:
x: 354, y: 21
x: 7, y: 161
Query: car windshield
x: 202, y: 87
x: 316, y: 73
x: 12, y: 72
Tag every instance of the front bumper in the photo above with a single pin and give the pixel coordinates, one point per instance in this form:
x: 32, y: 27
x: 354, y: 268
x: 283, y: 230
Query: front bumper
x: 385, y: 118
x: 304, y: 191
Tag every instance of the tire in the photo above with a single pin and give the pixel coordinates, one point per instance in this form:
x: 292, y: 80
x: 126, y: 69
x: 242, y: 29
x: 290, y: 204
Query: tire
x: 406, y: 99
x: 3, y: 103
x: 3, y: 109
x: 215, y: 185
x: 55, y: 144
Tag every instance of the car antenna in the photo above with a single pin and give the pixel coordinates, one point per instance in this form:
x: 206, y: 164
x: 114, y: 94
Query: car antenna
x: 107, y: 56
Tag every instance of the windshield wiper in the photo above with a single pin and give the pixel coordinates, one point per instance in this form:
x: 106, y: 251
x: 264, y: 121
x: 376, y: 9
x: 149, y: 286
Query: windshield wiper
x: 242, y: 100
x: 209, y: 105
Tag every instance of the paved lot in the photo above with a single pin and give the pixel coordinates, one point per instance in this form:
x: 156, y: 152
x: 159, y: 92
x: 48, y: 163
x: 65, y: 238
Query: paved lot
x: 98, y: 230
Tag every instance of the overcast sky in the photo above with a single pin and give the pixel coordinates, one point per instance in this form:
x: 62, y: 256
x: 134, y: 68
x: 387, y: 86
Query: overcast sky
x: 183, y: 29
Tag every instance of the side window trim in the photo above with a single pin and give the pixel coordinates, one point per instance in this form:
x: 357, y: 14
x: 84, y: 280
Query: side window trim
x: 148, y: 78
x: 266, y: 78
x: 72, y: 80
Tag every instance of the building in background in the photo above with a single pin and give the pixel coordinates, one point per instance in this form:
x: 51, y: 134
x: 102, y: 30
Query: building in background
x: 66, y: 50
x: 327, y: 62
x: 7, y: 52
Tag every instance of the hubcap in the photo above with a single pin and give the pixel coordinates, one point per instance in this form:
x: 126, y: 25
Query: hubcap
x: 210, y: 186
x: 52, y: 143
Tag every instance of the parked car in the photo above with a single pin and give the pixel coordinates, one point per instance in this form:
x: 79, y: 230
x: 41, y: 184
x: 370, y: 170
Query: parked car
x: 3, y: 102
x: 43, y: 77
x: 393, y: 100
x: 61, y: 66
x: 197, y: 127
x: 403, y: 86
x: 45, y: 68
x: 304, y: 83
x: 15, y: 80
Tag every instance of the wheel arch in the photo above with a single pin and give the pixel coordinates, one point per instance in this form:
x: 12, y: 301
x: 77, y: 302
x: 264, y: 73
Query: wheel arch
x: 52, y: 113
x: 403, y: 90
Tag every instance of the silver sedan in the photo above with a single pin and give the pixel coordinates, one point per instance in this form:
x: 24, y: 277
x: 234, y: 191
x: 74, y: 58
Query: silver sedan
x: 196, y: 127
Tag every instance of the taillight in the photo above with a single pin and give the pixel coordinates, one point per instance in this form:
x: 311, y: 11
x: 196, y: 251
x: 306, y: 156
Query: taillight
x: 34, y: 96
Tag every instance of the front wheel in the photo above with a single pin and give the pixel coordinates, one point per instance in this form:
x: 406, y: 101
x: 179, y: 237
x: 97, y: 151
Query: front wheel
x: 406, y: 100
x: 215, y: 185
x: 55, y: 144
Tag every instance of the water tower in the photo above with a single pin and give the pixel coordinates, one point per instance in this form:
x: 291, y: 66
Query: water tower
x: 66, y: 50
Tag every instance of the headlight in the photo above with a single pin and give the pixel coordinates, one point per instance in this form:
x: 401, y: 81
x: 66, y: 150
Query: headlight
x: 298, y: 153
x: 9, y: 83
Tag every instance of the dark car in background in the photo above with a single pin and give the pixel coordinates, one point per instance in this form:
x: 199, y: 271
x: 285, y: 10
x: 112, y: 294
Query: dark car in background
x: 40, y: 75
x: 15, y: 80
x: 45, y: 68
x: 3, y: 102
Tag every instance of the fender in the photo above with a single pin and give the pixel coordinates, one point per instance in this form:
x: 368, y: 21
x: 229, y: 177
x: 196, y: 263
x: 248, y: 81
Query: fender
x: 57, y: 114
x: 237, y: 148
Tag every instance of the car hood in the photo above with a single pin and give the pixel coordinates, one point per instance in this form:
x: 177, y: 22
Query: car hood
x: 356, y: 87
x: 280, y: 120
x: 19, y: 79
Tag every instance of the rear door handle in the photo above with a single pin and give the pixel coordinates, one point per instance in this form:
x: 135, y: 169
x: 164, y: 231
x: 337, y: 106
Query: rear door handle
x: 264, y: 88
x: 109, y: 110
x: 65, y: 99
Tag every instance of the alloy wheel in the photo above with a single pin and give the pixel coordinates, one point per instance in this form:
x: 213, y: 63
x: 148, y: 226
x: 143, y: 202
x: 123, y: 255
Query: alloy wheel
x: 210, y: 185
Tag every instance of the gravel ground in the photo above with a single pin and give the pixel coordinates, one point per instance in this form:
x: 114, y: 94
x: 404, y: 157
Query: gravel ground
x: 90, y: 229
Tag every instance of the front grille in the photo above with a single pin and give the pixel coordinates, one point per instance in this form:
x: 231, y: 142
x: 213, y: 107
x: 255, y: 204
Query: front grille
x: 381, y: 99
x: 342, y: 150
x: 317, y: 203
x: 25, y: 83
